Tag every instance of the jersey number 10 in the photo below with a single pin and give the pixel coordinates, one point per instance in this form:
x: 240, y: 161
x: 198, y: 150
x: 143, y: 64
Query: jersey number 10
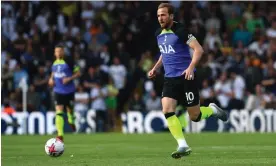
x: 189, y: 96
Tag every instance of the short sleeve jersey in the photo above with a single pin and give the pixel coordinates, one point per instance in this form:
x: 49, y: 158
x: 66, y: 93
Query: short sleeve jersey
x: 61, y: 69
x: 174, y: 48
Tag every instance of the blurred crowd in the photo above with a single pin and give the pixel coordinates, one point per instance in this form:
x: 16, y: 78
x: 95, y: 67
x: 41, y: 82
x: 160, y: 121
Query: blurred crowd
x: 115, y: 46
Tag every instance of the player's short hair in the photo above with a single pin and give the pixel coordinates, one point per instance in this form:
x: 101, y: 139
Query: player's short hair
x: 59, y: 46
x: 168, y: 6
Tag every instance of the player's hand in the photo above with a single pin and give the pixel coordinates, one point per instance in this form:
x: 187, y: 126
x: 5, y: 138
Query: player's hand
x: 152, y: 73
x: 189, y: 73
x: 51, y: 82
x: 66, y: 80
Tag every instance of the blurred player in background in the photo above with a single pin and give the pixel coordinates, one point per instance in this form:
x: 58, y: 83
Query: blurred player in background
x: 180, y: 78
x: 63, y: 73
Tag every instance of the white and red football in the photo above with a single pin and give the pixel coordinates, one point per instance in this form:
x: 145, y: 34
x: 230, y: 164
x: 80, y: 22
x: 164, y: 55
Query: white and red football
x: 54, y: 147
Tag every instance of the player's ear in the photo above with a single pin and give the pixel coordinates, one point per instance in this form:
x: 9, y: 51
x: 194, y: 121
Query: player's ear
x: 171, y: 16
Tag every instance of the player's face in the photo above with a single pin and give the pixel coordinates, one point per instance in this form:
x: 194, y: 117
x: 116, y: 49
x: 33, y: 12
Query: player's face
x: 59, y: 52
x: 164, y: 18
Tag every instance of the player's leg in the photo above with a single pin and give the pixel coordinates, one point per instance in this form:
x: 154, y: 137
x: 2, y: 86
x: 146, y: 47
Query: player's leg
x: 196, y: 112
x: 181, y: 115
x: 175, y: 127
x: 71, y: 117
x: 170, y: 95
x: 59, y: 106
x: 182, y: 119
x: 70, y: 111
x: 60, y: 121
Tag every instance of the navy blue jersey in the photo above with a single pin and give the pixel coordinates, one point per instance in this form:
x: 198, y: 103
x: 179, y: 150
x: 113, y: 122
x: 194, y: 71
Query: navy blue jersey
x: 174, y: 48
x: 61, y: 69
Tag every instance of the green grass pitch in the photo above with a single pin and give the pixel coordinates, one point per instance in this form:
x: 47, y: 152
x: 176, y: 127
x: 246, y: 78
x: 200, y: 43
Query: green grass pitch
x: 142, y: 149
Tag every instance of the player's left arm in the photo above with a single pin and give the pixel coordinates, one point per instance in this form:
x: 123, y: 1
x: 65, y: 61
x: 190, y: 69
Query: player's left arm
x: 75, y: 69
x: 198, y: 51
x: 76, y: 74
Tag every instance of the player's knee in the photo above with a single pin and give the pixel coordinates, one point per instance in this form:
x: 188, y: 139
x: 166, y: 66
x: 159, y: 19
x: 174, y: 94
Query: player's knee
x: 59, y: 107
x: 194, y: 117
x: 165, y: 111
x: 69, y: 109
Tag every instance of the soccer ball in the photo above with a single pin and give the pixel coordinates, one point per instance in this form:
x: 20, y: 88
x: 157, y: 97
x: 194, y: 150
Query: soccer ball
x: 54, y: 147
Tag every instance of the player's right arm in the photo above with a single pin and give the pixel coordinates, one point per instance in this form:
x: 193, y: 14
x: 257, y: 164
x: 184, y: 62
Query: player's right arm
x: 51, y: 80
x: 152, y: 72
